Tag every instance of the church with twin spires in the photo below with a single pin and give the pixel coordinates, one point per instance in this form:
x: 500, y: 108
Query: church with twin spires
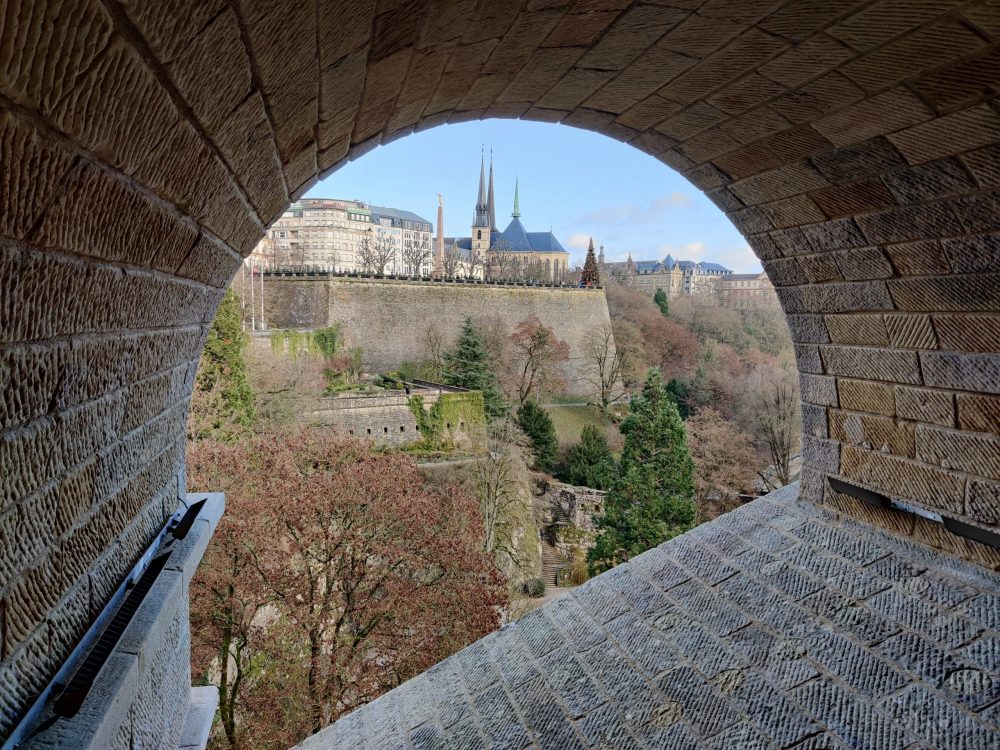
x: 540, y: 251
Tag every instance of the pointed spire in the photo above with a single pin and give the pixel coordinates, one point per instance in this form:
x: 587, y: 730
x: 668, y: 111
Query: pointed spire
x: 481, y: 218
x: 517, y: 202
x: 491, y: 210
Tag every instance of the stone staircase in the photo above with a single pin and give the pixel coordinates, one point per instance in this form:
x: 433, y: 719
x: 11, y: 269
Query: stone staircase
x: 551, y: 563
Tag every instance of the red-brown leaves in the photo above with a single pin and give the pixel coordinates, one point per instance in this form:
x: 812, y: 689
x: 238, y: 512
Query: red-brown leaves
x: 369, y: 575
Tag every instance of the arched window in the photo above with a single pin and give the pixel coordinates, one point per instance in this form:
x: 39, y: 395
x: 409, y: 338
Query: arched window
x: 479, y: 234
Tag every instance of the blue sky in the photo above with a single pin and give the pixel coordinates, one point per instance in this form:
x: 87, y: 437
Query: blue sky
x: 576, y: 182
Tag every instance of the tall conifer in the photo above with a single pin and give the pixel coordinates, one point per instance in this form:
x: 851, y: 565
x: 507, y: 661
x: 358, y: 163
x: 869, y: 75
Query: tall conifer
x: 590, y: 275
x: 651, y: 499
x: 468, y: 366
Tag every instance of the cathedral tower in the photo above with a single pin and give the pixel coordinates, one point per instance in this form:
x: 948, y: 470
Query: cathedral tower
x: 481, y: 222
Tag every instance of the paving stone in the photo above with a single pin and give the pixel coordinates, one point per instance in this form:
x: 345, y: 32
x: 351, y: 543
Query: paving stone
x: 931, y: 718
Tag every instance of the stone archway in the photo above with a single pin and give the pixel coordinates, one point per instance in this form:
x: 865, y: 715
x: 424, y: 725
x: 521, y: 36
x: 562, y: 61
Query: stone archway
x: 145, y: 146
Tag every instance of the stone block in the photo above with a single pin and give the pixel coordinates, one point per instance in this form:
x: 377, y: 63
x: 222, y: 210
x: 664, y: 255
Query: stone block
x: 821, y: 454
x: 863, y: 330
x: 782, y: 182
x: 899, y: 477
x: 149, y: 629
x: 973, y: 254
x: 30, y: 449
x: 852, y: 296
x: 871, y: 432
x: 32, y: 42
x: 807, y: 359
x: 213, y: 72
x: 854, y: 198
x: 984, y: 164
x: 925, y: 405
x: 878, y: 115
x: 100, y: 216
x: 982, y: 502
x: 23, y: 673
x: 950, y: 134
x: 978, y: 413
x: 863, y: 263
x: 814, y: 420
x: 875, y: 156
x: 911, y: 331
x: 189, y: 551
x: 947, y: 293
x: 819, y: 268
x: 29, y: 378
x: 871, y: 364
x: 979, y: 212
x: 818, y: 389
x: 910, y: 223
x: 961, y: 451
x: 926, y: 182
x: 866, y: 396
x: 927, y: 48
x: 791, y: 145
x: 924, y: 257
x: 806, y: 60
x: 808, y: 329
x: 964, y: 372
x: 32, y: 168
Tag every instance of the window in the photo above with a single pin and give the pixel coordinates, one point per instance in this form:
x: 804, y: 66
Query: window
x: 479, y: 234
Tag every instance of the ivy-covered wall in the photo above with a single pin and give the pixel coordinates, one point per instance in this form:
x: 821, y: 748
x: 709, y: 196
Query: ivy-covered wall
x: 451, y: 420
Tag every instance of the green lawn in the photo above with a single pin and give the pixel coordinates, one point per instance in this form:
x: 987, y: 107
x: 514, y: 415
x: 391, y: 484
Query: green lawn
x: 569, y: 422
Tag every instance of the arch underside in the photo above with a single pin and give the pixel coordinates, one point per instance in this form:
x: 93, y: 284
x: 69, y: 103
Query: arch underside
x: 144, y: 147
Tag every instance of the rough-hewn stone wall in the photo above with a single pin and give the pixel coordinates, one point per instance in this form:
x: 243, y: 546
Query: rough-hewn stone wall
x: 144, y: 146
x: 390, y: 319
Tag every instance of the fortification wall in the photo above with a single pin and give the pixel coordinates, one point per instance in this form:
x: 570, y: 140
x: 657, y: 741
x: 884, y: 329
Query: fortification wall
x: 390, y: 319
x: 390, y: 420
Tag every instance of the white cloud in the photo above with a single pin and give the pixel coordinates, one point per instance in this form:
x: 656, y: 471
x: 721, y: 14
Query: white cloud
x: 578, y: 241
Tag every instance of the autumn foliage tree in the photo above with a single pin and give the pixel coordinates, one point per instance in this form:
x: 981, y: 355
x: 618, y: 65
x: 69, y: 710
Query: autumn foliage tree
x: 538, y: 357
x: 336, y: 575
x: 724, y: 463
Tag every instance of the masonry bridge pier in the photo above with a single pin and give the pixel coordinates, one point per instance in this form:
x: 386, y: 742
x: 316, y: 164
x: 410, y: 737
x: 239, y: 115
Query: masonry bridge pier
x: 145, y: 147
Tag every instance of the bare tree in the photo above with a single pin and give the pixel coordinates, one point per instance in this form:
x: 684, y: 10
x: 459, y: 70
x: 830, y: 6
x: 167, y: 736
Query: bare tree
x: 375, y: 251
x: 474, y: 265
x: 771, y: 410
x: 452, y: 260
x: 500, y: 261
x: 497, y: 486
x: 415, y: 255
x: 436, y: 346
x: 607, y: 359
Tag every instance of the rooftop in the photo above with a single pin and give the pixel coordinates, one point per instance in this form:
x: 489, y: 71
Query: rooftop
x: 774, y: 626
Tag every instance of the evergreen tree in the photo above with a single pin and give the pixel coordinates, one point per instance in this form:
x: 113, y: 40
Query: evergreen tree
x: 660, y: 298
x: 536, y: 423
x: 589, y: 463
x: 679, y: 391
x: 222, y: 405
x: 590, y: 275
x: 468, y: 366
x: 651, y: 498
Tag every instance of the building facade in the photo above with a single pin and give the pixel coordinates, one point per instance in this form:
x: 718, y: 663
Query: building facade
x: 325, y: 233
x: 511, y: 253
x: 674, y: 277
x: 746, y: 291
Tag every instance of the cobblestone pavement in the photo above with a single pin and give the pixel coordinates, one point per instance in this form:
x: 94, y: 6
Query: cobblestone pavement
x: 772, y: 627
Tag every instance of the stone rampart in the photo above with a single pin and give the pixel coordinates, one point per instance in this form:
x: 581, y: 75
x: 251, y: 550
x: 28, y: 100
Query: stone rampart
x: 390, y: 319
x: 390, y: 419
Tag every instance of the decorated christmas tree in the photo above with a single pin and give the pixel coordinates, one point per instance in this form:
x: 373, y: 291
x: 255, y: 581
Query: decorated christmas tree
x: 590, y: 275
